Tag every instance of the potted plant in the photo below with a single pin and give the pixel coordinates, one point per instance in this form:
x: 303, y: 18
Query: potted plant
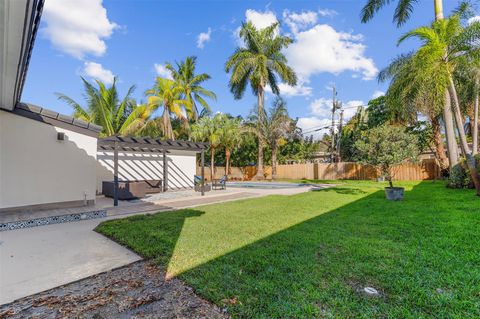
x: 385, y: 147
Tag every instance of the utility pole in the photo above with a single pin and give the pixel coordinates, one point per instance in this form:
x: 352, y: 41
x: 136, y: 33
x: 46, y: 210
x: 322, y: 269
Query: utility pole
x: 334, y: 104
x: 340, y: 128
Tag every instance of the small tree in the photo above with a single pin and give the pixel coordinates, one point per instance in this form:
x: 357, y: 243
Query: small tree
x: 386, y: 146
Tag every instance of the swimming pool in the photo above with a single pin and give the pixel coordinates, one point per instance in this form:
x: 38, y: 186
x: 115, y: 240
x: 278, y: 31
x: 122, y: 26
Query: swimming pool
x: 266, y: 185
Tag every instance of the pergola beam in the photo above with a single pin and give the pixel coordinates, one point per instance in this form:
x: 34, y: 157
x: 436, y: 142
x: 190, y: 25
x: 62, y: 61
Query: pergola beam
x: 145, y: 144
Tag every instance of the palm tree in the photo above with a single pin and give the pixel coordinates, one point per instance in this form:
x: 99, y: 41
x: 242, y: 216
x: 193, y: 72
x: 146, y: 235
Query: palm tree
x: 104, y: 108
x: 168, y: 94
x: 402, y: 12
x: 207, y: 130
x: 272, y: 127
x: 191, y: 84
x: 444, y: 44
x: 259, y: 63
x: 230, y: 136
x: 411, y: 92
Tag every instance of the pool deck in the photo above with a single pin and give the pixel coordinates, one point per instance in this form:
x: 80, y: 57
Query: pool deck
x: 40, y: 258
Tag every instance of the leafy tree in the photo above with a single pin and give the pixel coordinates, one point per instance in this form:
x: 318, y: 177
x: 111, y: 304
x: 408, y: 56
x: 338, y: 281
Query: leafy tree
x: 168, y: 94
x: 260, y: 62
x: 413, y: 91
x: 272, y: 127
x: 386, y: 146
x: 104, y: 108
x: 230, y: 136
x: 207, y: 129
x: 191, y: 84
x: 402, y: 12
x: 444, y: 44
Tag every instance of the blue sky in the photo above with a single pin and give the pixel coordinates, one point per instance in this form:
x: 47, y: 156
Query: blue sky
x: 134, y: 39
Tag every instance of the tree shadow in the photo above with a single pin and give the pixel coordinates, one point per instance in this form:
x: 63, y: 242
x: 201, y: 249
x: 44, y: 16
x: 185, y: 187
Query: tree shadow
x: 409, y: 251
x: 341, y: 190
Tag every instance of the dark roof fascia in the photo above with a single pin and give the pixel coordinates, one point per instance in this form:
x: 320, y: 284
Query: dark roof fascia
x: 46, y: 116
x: 29, y: 31
x: 150, y: 144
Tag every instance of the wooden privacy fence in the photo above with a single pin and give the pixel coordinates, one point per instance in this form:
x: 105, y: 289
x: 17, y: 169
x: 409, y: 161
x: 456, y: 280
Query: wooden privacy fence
x: 425, y: 170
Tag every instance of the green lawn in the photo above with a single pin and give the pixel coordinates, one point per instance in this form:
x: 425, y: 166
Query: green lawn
x: 310, y: 255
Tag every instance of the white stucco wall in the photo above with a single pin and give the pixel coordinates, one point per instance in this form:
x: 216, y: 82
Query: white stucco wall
x: 144, y: 166
x: 36, y: 168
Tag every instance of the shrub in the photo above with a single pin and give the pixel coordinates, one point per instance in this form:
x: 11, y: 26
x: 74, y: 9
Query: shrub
x: 386, y: 146
x: 460, y: 176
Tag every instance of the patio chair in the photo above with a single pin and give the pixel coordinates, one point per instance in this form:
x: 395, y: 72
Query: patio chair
x: 220, y: 183
x: 197, y: 182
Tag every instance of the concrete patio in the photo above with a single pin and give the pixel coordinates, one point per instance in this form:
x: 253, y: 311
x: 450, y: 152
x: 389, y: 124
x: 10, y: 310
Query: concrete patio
x: 39, y: 258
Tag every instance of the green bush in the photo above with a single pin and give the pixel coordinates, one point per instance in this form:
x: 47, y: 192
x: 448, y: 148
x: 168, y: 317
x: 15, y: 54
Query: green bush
x: 459, y: 175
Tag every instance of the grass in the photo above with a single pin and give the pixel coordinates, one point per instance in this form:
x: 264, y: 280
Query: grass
x: 310, y: 255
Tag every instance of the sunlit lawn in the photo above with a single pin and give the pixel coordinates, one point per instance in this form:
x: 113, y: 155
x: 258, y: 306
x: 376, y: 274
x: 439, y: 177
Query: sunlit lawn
x: 310, y: 255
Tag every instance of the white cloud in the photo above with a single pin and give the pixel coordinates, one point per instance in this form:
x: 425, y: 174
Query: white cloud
x: 97, y: 72
x: 259, y: 19
x: 162, y: 71
x: 321, y: 114
x: 203, y: 37
x: 77, y: 27
x: 299, y: 21
x: 323, y: 49
x: 299, y: 90
x: 327, y: 12
x: 377, y: 93
x: 312, y: 122
x: 473, y: 19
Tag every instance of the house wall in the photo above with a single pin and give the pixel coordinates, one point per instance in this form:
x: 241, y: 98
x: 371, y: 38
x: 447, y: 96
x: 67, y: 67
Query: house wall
x: 37, y: 169
x: 135, y: 166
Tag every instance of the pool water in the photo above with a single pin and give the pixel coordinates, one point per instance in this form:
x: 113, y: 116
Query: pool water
x: 265, y: 185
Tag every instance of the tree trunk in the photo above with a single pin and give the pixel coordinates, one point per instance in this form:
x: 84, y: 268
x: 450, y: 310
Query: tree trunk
x: 212, y: 163
x: 274, y: 162
x: 463, y: 139
x: 438, y: 141
x: 438, y: 7
x: 167, y: 125
x: 261, y: 99
x: 452, y: 147
x: 475, y: 125
x: 227, y: 161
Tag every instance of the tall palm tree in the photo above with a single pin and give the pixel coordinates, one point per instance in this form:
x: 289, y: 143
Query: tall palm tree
x: 402, y: 14
x: 104, y: 108
x: 207, y: 129
x: 168, y: 94
x: 191, y: 83
x: 230, y: 136
x: 403, y: 10
x: 412, y: 91
x: 260, y: 62
x: 444, y: 44
x: 272, y: 127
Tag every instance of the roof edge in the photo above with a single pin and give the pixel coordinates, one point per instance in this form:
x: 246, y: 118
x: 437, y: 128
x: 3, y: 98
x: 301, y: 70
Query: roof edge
x: 47, y: 116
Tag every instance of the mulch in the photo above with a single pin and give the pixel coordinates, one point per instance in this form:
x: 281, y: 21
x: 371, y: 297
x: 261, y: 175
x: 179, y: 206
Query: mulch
x: 138, y: 290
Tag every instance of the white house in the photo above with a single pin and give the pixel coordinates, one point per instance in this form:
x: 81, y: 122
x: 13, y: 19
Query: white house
x: 49, y: 160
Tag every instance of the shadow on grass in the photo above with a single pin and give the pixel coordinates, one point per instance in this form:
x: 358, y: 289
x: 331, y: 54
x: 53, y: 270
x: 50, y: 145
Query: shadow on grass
x: 419, y: 254
x: 341, y: 190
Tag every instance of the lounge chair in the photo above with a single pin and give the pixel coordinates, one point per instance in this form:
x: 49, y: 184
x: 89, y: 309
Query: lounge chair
x: 220, y: 183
